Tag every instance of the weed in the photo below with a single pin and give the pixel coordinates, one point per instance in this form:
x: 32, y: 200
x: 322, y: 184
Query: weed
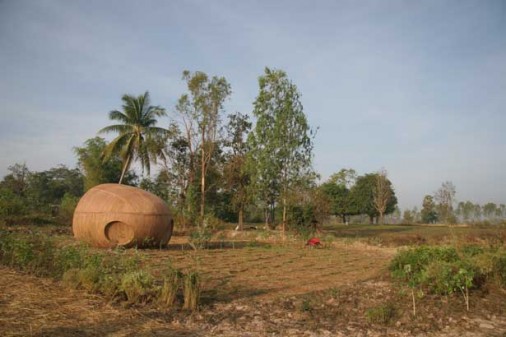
x: 70, y: 278
x: 192, y: 288
x: 69, y: 257
x: 89, y: 278
x: 306, y: 305
x: 137, y: 285
x: 110, y: 285
x: 328, y: 240
x: 335, y: 292
x: 170, y: 287
x: 382, y: 314
x: 199, y: 239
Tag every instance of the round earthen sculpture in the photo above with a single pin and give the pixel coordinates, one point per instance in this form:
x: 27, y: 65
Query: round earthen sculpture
x: 111, y: 215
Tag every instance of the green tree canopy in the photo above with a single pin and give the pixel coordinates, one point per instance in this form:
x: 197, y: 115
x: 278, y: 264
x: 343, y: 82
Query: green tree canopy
x: 281, y: 142
x: 339, y: 196
x: 138, y: 136
x: 95, y: 170
x: 429, y: 213
x: 362, y: 196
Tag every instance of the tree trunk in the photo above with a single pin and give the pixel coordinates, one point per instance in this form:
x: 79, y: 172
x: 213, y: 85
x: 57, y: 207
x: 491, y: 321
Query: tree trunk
x: 283, y: 228
x: 371, y: 219
x: 127, y: 163
x: 343, y: 218
x: 241, y: 217
x: 272, y: 214
x: 202, y: 193
x: 203, y: 179
x: 381, y: 219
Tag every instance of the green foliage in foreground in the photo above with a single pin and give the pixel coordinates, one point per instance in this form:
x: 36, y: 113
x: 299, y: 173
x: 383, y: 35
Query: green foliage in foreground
x: 116, y: 275
x: 446, y: 270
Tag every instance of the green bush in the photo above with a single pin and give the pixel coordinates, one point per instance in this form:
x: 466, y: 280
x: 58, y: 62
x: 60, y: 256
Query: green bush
x: 67, y: 206
x: 441, y: 270
x: 27, y: 253
x: 69, y: 257
x: 445, y: 278
x: 11, y: 204
x: 137, y: 285
x: 418, y: 258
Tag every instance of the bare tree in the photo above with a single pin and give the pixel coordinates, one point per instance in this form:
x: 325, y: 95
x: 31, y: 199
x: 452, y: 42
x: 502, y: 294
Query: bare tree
x: 381, y: 193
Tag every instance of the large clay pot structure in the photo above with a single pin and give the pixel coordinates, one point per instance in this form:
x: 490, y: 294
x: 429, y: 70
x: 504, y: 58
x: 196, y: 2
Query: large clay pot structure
x: 111, y: 215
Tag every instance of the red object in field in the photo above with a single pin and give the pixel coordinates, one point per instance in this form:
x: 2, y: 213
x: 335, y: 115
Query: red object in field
x: 313, y: 242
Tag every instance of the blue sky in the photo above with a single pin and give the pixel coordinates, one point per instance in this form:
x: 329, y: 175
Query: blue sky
x: 415, y: 87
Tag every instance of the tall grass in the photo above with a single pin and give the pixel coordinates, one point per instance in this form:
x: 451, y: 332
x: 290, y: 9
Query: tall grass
x: 191, y: 290
x: 116, y: 275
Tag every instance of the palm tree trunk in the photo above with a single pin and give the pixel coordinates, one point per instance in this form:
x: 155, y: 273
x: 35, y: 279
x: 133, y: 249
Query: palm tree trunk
x: 127, y: 163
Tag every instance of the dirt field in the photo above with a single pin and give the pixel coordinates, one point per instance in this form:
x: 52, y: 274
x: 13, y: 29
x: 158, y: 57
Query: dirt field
x: 253, y: 289
x: 269, y: 272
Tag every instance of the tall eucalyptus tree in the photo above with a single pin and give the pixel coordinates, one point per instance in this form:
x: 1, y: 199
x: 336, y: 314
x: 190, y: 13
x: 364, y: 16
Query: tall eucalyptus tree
x: 281, y: 142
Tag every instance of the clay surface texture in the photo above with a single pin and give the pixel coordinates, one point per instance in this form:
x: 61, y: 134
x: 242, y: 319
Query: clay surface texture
x: 111, y: 215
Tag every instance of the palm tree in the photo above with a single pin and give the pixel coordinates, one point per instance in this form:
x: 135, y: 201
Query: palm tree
x: 138, y: 137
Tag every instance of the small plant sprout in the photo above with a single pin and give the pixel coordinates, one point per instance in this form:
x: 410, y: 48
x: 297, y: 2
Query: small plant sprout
x: 464, y: 282
x: 412, y: 283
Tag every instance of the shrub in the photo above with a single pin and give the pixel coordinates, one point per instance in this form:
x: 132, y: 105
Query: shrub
x: 89, y: 278
x: 137, y: 286
x: 472, y: 250
x: 382, y: 314
x: 11, y: 203
x: 108, y: 274
x: 110, y: 285
x: 27, y: 253
x: 445, y: 278
x: 67, y: 206
x: 210, y: 221
x: 69, y: 257
x: 500, y: 268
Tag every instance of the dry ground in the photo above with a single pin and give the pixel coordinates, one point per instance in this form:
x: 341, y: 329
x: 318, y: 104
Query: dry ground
x: 32, y: 306
x: 270, y: 271
x: 252, y: 289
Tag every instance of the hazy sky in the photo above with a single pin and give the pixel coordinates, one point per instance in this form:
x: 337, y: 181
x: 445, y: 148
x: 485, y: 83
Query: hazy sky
x: 415, y: 87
